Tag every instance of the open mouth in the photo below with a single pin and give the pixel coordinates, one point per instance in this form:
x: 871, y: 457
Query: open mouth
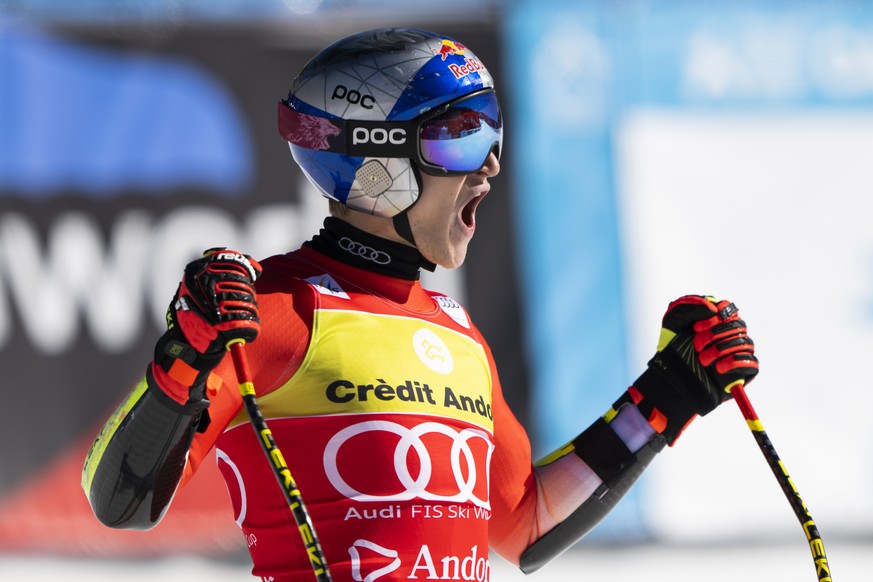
x: 468, y: 213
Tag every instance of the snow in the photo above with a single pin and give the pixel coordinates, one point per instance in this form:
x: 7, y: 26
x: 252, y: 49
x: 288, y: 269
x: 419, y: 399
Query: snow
x: 850, y: 560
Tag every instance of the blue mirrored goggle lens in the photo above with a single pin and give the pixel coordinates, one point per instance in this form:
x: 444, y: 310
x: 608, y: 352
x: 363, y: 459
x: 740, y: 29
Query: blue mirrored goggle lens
x: 460, y: 139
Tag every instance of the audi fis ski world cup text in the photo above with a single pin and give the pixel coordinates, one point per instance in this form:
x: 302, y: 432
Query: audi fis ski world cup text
x: 419, y: 512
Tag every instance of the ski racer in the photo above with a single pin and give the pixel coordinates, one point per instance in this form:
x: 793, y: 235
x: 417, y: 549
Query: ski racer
x: 383, y: 396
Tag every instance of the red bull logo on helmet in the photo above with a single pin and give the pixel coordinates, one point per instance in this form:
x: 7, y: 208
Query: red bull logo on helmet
x: 450, y: 47
x: 471, y: 65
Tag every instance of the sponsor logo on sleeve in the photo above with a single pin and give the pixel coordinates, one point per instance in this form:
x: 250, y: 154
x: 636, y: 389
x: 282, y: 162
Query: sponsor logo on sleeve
x: 327, y: 285
x: 454, y: 310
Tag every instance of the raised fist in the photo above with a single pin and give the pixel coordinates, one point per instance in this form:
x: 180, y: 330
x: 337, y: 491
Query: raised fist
x: 704, y: 351
x: 215, y: 302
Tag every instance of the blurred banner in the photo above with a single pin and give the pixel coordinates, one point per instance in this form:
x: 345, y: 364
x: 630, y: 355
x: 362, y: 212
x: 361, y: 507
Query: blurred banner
x: 125, y: 151
x: 679, y: 147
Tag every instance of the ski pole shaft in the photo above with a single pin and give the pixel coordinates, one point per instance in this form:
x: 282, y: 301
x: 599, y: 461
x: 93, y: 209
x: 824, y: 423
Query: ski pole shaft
x: 816, y: 546
x: 277, y: 462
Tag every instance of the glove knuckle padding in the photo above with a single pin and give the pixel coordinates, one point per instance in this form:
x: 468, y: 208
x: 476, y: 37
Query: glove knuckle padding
x: 718, y: 332
x: 716, y: 351
x: 218, y: 301
x: 706, y: 351
x: 687, y: 311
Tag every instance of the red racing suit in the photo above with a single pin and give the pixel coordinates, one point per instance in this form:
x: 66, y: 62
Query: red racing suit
x: 385, y: 401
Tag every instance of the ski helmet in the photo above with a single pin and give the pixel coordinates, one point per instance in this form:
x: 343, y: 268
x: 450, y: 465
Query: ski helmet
x: 372, y: 110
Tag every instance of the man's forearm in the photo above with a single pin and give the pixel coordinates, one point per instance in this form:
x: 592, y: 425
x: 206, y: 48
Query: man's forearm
x: 616, y: 458
x: 134, y: 466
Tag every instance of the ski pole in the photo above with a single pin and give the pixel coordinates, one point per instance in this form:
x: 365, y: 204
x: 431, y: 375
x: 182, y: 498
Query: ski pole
x: 822, y: 569
x: 277, y: 462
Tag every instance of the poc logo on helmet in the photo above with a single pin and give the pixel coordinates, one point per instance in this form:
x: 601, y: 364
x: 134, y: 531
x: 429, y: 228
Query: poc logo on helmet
x: 352, y: 96
x: 378, y: 136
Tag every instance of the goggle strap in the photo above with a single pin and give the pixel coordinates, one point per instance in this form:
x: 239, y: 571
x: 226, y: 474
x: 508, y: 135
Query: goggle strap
x: 308, y: 131
x: 373, y: 139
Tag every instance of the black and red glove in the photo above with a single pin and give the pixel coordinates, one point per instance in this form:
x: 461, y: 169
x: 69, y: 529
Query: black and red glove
x: 704, y: 351
x: 214, y: 304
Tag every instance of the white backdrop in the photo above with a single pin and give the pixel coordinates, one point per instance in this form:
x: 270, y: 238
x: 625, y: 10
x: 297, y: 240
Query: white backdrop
x: 774, y: 213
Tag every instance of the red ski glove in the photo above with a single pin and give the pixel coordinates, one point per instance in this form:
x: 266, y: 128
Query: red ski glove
x: 704, y: 350
x: 214, y: 304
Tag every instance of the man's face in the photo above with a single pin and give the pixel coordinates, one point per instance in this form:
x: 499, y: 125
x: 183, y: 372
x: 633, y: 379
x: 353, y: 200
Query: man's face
x: 443, y: 219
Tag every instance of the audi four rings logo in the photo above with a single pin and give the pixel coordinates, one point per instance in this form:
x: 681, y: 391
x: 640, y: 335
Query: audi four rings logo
x: 410, y: 438
x: 363, y: 251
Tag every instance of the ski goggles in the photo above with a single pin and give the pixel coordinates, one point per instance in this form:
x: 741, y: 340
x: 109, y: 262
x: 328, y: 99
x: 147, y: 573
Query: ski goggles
x: 453, y: 139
